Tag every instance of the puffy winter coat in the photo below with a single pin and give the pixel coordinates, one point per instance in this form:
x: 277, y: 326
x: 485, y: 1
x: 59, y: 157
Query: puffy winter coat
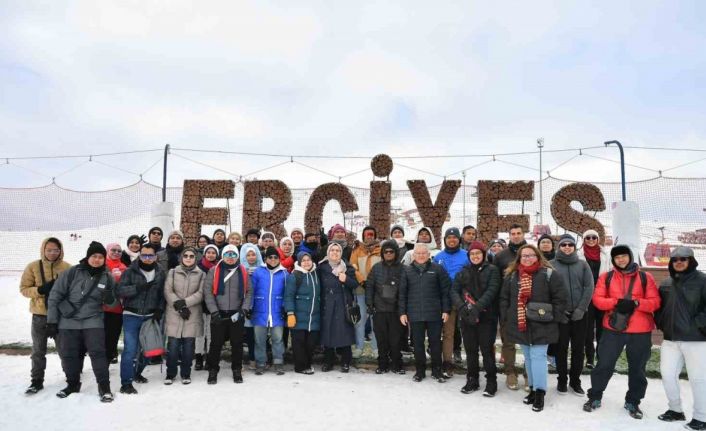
x: 362, y: 259
x: 302, y: 296
x: 335, y: 329
x: 484, y: 293
x: 146, y: 301
x: 186, y: 285
x: 545, y: 288
x: 682, y: 316
x: 235, y: 290
x: 578, y: 280
x: 68, y: 292
x: 266, y: 296
x: 605, y: 298
x: 32, y: 278
x: 424, y: 295
x: 382, y: 290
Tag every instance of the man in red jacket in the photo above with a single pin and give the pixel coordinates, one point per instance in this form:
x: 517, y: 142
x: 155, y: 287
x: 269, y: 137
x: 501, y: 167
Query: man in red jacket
x: 629, y: 297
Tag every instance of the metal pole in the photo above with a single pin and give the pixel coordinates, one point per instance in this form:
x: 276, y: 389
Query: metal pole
x: 622, y: 164
x: 464, y: 198
x: 540, y: 144
x: 164, y: 174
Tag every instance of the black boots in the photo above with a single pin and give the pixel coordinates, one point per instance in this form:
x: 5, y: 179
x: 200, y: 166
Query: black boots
x: 471, y: 385
x: 538, y: 404
x: 198, y: 362
x: 106, y: 396
x: 671, y: 416
x: 237, y: 376
x: 491, y: 387
x: 529, y: 399
x: 34, y: 387
x: 128, y: 389
x: 69, y: 389
x: 212, y: 377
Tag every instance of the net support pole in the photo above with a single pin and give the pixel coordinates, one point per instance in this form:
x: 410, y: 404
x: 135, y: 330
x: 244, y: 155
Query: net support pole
x: 622, y: 164
x: 164, y: 174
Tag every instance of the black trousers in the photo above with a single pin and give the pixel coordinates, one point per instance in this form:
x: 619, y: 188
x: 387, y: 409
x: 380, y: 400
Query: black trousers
x: 113, y: 325
x: 222, y: 331
x: 345, y: 352
x: 594, y: 330
x: 388, y: 331
x: 303, y: 345
x: 433, y: 332
x: 74, y: 342
x: 480, y: 337
x: 457, y: 335
x: 573, y: 333
x: 637, y: 349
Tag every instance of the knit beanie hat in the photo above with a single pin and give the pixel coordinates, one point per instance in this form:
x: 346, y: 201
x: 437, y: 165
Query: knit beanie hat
x: 229, y: 248
x: 271, y: 251
x: 157, y: 229
x: 396, y: 227
x: 567, y: 238
x: 590, y: 232
x: 95, y: 247
x: 452, y: 231
x: 253, y: 231
x: 214, y: 248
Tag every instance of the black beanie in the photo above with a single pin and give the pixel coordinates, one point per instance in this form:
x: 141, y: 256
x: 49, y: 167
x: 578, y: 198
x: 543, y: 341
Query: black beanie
x: 157, y: 228
x: 253, y: 231
x: 271, y: 251
x: 94, y: 248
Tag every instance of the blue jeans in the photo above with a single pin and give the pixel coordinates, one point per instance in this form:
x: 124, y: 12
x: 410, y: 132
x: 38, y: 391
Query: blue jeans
x: 130, y: 362
x: 261, y: 345
x: 180, y: 349
x: 360, y: 326
x: 536, y: 365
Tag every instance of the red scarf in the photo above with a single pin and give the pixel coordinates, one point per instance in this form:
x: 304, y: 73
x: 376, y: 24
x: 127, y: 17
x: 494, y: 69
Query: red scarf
x: 524, y: 294
x: 207, y: 263
x: 592, y: 253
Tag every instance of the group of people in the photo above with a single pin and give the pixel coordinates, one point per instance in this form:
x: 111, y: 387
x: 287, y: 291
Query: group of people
x: 319, y: 289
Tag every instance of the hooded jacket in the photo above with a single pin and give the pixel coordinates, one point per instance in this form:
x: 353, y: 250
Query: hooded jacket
x: 304, y: 298
x: 683, y: 313
x: 362, y: 259
x: 32, y: 278
x: 232, y: 299
x: 578, y: 280
x: 408, y: 256
x: 186, y: 285
x: 266, y: 296
x: 384, y: 281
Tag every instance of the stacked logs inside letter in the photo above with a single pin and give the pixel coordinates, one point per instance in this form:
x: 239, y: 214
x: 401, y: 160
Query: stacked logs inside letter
x: 380, y: 196
x: 318, y: 199
x: 590, y: 197
x: 489, y: 193
x: 254, y: 217
x: 194, y: 215
x: 434, y: 215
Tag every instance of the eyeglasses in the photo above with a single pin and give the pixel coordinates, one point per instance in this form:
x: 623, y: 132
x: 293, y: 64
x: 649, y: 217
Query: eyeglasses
x: 680, y: 259
x: 147, y: 256
x: 115, y: 250
x: 528, y: 256
x: 52, y: 251
x: 189, y: 256
x: 566, y: 244
x: 591, y: 238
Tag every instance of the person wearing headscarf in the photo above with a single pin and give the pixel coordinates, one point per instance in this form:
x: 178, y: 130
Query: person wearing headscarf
x: 598, y: 259
x: 252, y: 259
x: 183, y: 292
x: 286, y: 253
x: 75, y: 314
x: 337, y: 284
x: 113, y: 316
x: 302, y: 303
x: 208, y: 260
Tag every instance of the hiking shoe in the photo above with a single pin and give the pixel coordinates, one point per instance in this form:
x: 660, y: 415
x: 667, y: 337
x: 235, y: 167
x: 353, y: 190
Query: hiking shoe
x: 562, y: 388
x: 439, y: 376
x: 186, y: 381
x: 671, y: 416
x: 279, y: 369
x: 308, y: 371
x: 695, y: 425
x: 168, y: 381
x: 381, y: 370
x: 471, y: 385
x: 529, y: 399
x: 577, y: 389
x: 511, y: 382
x: 198, y: 365
x: 633, y: 410
x: 418, y: 377
x: 106, y: 396
x: 260, y: 370
x: 591, y: 405
x: 345, y: 368
x: 68, y: 390
x: 491, y: 388
x: 140, y: 379
x: 34, y: 387
x: 128, y: 389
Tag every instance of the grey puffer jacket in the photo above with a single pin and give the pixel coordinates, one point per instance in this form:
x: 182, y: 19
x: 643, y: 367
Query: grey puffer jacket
x: 424, y: 295
x: 68, y: 292
x: 187, y: 285
x: 231, y: 299
x: 578, y: 280
x: 145, y: 301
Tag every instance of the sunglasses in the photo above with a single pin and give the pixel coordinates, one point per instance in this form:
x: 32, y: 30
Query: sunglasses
x: 230, y: 254
x: 189, y: 256
x: 147, y: 256
x: 680, y: 259
x: 566, y: 244
x: 591, y: 238
x: 272, y: 257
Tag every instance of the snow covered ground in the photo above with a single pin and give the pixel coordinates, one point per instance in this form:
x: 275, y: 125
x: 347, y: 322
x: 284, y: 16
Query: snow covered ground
x: 359, y: 400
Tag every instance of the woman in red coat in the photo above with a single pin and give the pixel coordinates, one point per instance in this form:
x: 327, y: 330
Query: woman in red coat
x: 629, y: 297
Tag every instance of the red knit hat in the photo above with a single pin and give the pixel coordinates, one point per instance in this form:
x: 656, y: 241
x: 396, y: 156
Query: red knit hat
x: 476, y: 245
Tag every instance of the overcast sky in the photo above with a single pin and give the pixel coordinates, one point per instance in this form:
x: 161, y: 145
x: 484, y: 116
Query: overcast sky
x: 347, y: 78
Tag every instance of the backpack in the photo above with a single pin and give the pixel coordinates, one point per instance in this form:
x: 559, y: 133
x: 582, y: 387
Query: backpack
x: 609, y: 278
x: 151, y: 339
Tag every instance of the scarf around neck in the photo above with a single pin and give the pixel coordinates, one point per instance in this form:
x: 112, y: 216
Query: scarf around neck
x: 592, y: 253
x: 524, y: 294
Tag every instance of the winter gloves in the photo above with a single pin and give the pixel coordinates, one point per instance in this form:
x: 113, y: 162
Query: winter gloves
x: 179, y: 304
x: 469, y: 313
x: 291, y: 321
x: 185, y: 313
x: 157, y: 315
x: 45, y: 288
x: 247, y: 313
x: 577, y: 314
x: 625, y: 306
x: 52, y: 330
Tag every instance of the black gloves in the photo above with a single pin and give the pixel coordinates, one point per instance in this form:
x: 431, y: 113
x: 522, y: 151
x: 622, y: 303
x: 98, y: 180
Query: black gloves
x: 143, y: 239
x: 179, y: 304
x: 247, y: 313
x: 625, y: 306
x: 157, y: 315
x: 185, y: 313
x: 108, y: 296
x: 45, y: 288
x: 52, y: 330
x: 469, y: 313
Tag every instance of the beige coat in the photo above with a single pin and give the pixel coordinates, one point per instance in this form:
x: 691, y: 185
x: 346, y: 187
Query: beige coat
x: 32, y: 278
x: 188, y: 286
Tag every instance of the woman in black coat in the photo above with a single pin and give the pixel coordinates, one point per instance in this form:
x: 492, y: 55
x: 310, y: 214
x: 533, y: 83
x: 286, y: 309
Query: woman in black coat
x: 337, y: 284
x: 531, y: 284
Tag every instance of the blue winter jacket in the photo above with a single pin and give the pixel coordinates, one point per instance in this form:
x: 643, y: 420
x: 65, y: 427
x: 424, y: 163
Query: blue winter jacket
x: 454, y: 262
x: 304, y: 299
x: 266, y: 296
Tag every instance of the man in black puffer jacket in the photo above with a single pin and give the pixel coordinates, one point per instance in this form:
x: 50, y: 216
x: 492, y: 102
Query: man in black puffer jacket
x: 682, y: 318
x: 425, y: 305
x: 381, y: 295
